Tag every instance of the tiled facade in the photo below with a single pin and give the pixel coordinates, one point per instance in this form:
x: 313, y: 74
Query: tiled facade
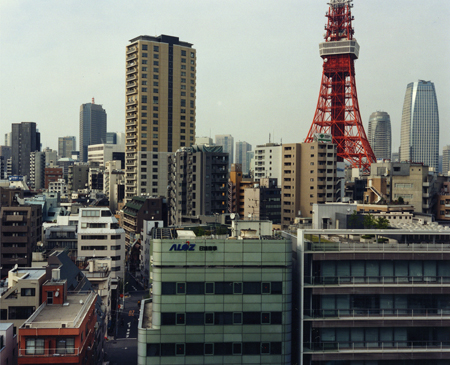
x: 218, y: 302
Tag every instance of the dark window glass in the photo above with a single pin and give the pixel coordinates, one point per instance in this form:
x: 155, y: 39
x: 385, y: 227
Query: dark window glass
x: 209, y: 349
x: 237, y: 348
x: 180, y: 318
x: 252, y: 288
x: 276, y: 318
x: 209, y: 318
x: 168, y: 288
x: 181, y: 288
x: 195, y: 318
x: 180, y: 348
x: 237, y: 288
x: 223, y: 318
x: 167, y: 319
x: 195, y: 288
x: 265, y: 348
x: 265, y: 318
x: 153, y: 349
x: 3, y: 314
x: 265, y: 288
x: 225, y: 348
x: 275, y: 348
x: 251, y: 348
x: 167, y: 349
x: 193, y: 349
x: 237, y: 318
x: 277, y: 287
x: 252, y: 318
x: 209, y: 288
x: 224, y: 287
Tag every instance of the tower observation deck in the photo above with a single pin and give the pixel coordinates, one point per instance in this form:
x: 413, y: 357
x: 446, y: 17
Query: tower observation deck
x: 337, y: 111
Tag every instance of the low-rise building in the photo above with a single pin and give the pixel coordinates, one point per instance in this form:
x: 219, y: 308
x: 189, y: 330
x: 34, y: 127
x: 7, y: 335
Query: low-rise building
x: 8, y: 344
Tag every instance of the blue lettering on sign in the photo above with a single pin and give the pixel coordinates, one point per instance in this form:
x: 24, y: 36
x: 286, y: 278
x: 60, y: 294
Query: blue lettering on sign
x: 181, y: 247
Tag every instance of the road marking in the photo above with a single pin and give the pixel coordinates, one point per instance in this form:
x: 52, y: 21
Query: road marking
x: 134, y: 288
x: 131, y: 313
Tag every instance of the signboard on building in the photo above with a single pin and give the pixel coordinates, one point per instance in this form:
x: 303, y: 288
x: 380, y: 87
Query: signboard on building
x: 322, y: 137
x: 15, y: 178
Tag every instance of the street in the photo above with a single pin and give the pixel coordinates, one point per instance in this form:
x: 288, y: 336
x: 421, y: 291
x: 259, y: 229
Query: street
x: 123, y: 350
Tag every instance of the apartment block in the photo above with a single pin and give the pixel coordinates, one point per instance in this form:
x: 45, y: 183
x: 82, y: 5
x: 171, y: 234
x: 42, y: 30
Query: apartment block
x: 309, y: 176
x: 197, y: 182
x: 160, y: 100
x: 52, y: 174
x: 78, y: 177
x: 237, y: 184
x: 37, y: 170
x: 25, y: 139
x: 268, y: 161
x: 219, y: 301
x: 8, y: 344
x: 21, y: 228
x: 263, y: 201
x: 99, y: 235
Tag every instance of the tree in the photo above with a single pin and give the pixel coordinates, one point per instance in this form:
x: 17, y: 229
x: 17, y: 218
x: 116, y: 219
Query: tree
x: 369, y: 221
x: 401, y: 200
x: 382, y: 223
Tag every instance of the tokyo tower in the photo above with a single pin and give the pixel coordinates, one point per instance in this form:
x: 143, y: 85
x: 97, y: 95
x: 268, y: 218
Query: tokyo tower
x: 337, y: 111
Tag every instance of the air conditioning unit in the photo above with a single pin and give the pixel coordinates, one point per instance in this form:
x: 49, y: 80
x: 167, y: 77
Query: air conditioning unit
x: 27, y: 325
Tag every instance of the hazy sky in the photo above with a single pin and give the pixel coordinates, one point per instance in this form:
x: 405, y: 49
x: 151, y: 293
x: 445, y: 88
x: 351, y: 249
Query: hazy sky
x: 258, y: 64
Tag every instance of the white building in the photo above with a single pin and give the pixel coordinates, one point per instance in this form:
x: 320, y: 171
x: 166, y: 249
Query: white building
x: 99, y: 235
x: 102, y: 153
x: 59, y: 186
x: 268, y: 161
x: 113, y: 176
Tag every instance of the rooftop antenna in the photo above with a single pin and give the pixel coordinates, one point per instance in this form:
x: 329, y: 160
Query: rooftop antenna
x: 269, y: 137
x: 93, y: 101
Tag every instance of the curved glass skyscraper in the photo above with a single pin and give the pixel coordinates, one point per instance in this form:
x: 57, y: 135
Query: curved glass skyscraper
x: 380, y: 136
x: 420, y: 125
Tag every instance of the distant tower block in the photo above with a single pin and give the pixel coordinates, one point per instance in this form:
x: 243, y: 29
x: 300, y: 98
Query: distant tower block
x: 337, y: 110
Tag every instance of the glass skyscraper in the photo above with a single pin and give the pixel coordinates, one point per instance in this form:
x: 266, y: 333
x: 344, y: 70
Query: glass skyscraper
x: 380, y: 134
x: 420, y: 125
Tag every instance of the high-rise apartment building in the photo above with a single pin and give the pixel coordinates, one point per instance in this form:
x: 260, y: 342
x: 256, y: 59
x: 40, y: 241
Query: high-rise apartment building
x: 446, y: 159
x: 37, y: 170
x: 197, y: 182
x: 66, y: 145
x: 25, y: 139
x: 160, y: 101
x: 92, y: 127
x: 420, y: 125
x: 227, y: 142
x: 242, y: 156
x: 380, y: 136
x: 309, y: 176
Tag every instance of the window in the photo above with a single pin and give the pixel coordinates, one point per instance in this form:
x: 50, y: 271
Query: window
x: 265, y: 318
x: 237, y: 288
x: 28, y: 292
x: 209, y: 349
x: 209, y: 318
x: 265, y: 288
x: 209, y: 288
x: 155, y: 48
x: 237, y: 318
x: 180, y: 349
x: 180, y: 318
x: 237, y: 348
x: 65, y: 346
x: 34, y: 346
x: 144, y: 54
x: 144, y: 47
x: 181, y: 287
x: 144, y: 68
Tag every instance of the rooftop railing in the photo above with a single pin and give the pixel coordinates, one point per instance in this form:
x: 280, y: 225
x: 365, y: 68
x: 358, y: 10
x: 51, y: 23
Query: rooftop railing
x: 388, y: 280
x: 378, y: 346
x: 380, y: 247
x: 376, y: 313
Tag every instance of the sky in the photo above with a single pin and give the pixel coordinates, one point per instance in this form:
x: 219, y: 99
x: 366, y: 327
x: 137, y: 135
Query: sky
x: 258, y: 64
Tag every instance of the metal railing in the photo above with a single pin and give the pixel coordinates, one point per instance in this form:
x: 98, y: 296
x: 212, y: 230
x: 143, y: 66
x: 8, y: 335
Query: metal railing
x: 383, y: 247
x: 48, y: 352
x: 384, y: 280
x: 377, y: 346
x: 376, y: 313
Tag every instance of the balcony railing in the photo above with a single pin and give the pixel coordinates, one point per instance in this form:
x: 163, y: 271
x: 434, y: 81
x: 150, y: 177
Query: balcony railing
x: 378, y: 346
x: 384, y: 280
x: 377, y: 313
x: 387, y: 247
x: 48, y: 352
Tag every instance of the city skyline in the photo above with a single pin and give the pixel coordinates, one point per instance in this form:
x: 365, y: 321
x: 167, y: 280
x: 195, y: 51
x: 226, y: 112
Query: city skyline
x: 258, y: 69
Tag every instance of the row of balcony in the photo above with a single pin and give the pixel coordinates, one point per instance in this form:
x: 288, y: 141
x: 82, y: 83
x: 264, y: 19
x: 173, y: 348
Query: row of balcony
x: 375, y: 280
x: 376, y: 313
x: 378, y: 346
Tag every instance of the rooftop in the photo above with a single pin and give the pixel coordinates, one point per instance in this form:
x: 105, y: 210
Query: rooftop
x: 70, y: 314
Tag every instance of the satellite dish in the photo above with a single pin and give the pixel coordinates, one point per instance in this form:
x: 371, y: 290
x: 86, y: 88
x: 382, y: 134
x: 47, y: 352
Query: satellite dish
x: 57, y: 294
x: 232, y: 216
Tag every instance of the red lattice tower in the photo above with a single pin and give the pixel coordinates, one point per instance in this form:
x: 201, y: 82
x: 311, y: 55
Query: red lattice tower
x: 337, y: 110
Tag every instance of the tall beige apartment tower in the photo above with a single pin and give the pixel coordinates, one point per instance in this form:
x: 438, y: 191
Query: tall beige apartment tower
x: 160, y: 108
x: 309, y: 176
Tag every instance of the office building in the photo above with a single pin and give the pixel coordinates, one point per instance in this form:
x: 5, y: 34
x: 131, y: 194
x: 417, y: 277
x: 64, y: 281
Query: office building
x: 92, y: 127
x: 25, y: 139
x: 102, y: 153
x: 160, y: 100
x: 37, y: 170
x: 309, y: 176
x: 52, y: 174
x: 51, y: 156
x: 204, y: 140
x: 78, y: 177
x: 219, y: 301
x: 197, y: 182
x: 380, y: 136
x: 21, y: 228
x: 227, y: 142
x: 242, y: 156
x: 381, y: 304
x: 5, y: 157
x: 66, y: 145
x: 420, y: 125
x: 268, y: 163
